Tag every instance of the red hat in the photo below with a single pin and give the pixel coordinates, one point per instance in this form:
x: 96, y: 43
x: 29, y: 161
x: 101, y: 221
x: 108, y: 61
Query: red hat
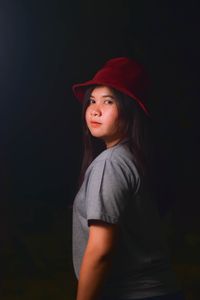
x: 123, y: 74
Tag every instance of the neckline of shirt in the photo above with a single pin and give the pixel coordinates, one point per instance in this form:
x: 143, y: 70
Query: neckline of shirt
x: 123, y: 141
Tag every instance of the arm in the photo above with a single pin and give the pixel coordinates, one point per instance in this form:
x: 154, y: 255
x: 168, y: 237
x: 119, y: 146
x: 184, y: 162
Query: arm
x: 96, y: 260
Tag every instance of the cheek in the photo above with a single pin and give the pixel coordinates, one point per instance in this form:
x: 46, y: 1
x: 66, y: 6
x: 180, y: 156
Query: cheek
x: 114, y: 118
x: 87, y: 115
x: 116, y: 123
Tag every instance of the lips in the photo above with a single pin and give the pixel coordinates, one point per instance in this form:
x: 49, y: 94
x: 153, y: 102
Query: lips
x: 95, y: 124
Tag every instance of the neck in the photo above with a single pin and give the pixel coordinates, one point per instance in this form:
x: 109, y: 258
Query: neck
x: 114, y: 143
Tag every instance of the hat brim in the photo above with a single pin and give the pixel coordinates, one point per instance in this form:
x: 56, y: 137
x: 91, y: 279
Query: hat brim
x: 80, y: 88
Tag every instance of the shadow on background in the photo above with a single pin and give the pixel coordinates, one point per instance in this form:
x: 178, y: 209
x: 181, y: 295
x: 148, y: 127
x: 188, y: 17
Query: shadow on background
x: 45, y: 48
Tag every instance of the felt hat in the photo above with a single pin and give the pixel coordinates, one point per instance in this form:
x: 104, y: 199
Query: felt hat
x: 123, y: 74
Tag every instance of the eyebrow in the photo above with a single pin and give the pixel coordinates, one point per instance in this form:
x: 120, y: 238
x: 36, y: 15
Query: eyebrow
x: 104, y: 96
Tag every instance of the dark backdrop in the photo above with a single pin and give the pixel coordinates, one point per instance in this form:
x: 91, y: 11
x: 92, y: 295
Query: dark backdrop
x: 48, y: 46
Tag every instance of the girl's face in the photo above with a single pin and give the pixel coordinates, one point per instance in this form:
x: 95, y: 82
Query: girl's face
x: 102, y: 116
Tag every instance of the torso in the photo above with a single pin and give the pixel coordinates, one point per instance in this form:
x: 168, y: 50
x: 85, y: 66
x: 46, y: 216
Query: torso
x: 112, y: 191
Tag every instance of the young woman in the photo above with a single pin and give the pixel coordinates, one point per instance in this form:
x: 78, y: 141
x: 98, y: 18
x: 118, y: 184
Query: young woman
x: 118, y: 247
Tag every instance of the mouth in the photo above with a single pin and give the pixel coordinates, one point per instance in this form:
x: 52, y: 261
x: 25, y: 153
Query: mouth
x: 95, y: 124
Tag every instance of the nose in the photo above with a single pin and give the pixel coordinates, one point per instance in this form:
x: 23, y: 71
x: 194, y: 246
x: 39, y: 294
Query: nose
x: 95, y: 111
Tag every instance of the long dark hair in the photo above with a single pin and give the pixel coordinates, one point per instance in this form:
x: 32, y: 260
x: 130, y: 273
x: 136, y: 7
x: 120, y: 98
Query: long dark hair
x: 135, y: 127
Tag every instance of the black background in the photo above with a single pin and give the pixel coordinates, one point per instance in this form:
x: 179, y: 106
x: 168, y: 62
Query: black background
x: 46, y: 46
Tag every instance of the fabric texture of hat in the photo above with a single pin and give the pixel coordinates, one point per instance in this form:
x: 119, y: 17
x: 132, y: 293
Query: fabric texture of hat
x: 123, y: 74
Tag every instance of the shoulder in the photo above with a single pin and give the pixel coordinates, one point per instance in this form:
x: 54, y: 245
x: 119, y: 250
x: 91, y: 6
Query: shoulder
x: 117, y: 152
x: 119, y: 155
x: 117, y: 161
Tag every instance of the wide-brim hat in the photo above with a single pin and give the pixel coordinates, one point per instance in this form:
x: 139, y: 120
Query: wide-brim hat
x: 123, y: 74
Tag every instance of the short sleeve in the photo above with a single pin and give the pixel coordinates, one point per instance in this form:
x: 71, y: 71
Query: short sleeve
x: 108, y: 191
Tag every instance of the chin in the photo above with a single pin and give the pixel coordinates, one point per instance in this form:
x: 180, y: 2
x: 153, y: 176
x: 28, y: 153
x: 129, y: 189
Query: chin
x: 97, y: 136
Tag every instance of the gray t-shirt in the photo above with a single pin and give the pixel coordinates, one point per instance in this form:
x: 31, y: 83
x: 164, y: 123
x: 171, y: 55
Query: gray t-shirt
x: 112, y: 191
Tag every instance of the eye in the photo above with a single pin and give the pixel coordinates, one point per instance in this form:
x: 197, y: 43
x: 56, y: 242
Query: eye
x: 108, y: 101
x: 91, y: 101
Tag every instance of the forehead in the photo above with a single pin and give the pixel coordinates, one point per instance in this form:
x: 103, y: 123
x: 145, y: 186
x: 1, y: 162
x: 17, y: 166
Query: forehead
x: 102, y: 91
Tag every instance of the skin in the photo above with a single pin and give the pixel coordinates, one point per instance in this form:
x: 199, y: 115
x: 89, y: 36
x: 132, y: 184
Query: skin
x: 102, y: 118
x: 97, y: 260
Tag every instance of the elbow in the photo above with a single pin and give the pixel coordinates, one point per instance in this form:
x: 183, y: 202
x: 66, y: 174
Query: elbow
x: 105, y: 256
x: 100, y: 255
